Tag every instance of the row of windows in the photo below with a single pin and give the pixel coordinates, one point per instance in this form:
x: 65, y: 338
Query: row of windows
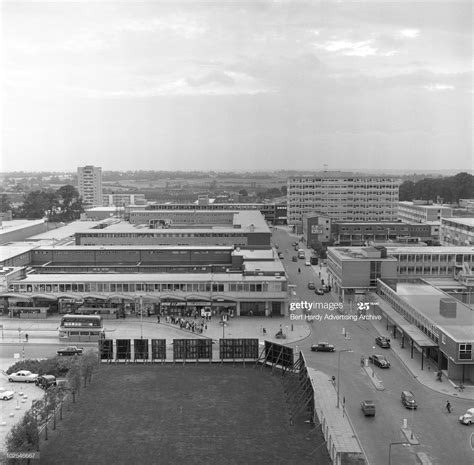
x: 150, y: 234
x: 458, y: 258
x: 149, y: 287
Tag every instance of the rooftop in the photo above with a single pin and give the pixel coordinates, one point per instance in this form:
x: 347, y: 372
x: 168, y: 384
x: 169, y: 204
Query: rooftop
x: 426, y: 299
x: 66, y: 231
x: 430, y: 250
x: 460, y: 220
x: 17, y: 225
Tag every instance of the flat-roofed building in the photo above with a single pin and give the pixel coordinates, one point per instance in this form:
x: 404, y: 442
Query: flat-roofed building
x: 123, y: 200
x: 19, y: 230
x: 355, y: 270
x: 343, y: 198
x: 242, y: 229
x: 457, y: 231
x: 422, y: 211
x: 437, y: 324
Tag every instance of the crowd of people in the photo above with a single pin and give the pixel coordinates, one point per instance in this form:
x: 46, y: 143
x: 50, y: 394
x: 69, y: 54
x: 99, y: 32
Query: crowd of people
x: 194, y: 326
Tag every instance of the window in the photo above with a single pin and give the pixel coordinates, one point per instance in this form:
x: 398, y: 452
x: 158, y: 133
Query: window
x: 465, y: 351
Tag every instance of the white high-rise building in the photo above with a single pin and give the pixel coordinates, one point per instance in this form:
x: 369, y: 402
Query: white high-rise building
x: 343, y: 198
x: 89, y: 180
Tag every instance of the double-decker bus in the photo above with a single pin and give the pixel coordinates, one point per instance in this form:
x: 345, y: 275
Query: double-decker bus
x: 81, y: 328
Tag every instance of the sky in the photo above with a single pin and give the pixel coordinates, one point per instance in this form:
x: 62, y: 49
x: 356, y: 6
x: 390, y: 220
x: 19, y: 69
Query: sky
x: 242, y: 85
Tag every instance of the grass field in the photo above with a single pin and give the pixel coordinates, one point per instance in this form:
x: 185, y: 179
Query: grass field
x: 193, y: 414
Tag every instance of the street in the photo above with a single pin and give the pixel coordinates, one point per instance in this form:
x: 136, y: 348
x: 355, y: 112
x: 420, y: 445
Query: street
x: 436, y: 430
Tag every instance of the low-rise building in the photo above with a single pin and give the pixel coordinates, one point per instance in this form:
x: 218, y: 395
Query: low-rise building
x: 422, y: 211
x: 457, y: 231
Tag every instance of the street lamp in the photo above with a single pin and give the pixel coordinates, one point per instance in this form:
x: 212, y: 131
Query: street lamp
x: 394, y: 444
x: 339, y: 371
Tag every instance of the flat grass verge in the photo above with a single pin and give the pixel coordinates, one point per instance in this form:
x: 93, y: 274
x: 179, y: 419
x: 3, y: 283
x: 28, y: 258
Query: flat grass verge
x: 192, y: 414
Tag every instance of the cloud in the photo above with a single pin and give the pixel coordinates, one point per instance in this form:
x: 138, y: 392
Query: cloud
x: 410, y: 33
x: 361, y: 48
x: 438, y: 87
x: 214, y: 77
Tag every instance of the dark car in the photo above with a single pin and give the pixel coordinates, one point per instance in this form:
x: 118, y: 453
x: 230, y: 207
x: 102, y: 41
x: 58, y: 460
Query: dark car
x: 294, y: 258
x: 408, y: 400
x: 319, y: 291
x: 368, y: 407
x: 379, y: 360
x: 383, y: 342
x: 311, y: 285
x: 45, y: 381
x: 322, y: 347
x: 70, y: 350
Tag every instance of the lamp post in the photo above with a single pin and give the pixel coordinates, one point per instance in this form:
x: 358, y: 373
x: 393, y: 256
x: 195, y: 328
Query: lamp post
x: 339, y: 371
x: 394, y: 444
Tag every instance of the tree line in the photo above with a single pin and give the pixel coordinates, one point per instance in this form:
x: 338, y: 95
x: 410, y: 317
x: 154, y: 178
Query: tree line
x: 63, y: 204
x: 450, y: 189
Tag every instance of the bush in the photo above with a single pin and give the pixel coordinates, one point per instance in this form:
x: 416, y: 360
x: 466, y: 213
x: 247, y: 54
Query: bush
x: 57, y: 366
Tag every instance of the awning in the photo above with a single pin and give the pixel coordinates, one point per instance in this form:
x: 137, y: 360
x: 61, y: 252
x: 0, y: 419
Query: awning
x: 12, y: 295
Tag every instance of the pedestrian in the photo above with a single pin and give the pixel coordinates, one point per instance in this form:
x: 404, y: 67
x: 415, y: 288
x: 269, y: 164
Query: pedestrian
x: 26, y: 337
x: 448, y: 406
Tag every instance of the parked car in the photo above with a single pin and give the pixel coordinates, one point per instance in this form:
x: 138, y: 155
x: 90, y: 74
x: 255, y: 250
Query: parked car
x: 368, y: 407
x: 319, y: 291
x: 22, y: 376
x: 294, y: 258
x: 311, y: 285
x: 307, y: 263
x: 45, y: 381
x: 326, y: 288
x: 468, y: 417
x: 70, y: 350
x: 6, y: 395
x: 408, y: 400
x: 383, y: 342
x: 322, y: 347
x: 379, y: 360
x: 280, y: 255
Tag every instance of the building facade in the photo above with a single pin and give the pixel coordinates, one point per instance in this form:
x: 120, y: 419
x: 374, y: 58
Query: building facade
x: 343, y: 198
x: 422, y: 211
x: 123, y: 200
x: 457, y: 231
x: 89, y: 179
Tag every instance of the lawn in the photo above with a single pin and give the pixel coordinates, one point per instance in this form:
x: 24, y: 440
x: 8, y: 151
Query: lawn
x: 195, y: 414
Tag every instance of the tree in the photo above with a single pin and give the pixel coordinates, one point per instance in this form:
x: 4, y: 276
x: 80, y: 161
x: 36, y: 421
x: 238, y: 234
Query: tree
x: 24, y: 436
x: 89, y: 362
x: 5, y: 203
x: 38, y: 204
x: 70, y: 204
x: 74, y: 379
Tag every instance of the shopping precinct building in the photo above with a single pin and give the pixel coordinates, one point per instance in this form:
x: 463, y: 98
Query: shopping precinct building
x: 434, y: 323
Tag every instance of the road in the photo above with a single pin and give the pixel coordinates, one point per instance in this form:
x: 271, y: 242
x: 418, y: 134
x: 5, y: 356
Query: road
x: 436, y: 430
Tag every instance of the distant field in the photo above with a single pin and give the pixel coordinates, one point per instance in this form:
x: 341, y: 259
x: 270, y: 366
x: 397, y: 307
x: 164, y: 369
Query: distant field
x: 193, y: 414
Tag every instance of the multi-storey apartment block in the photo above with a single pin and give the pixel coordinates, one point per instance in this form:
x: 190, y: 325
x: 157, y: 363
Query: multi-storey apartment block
x: 343, y: 198
x: 89, y: 179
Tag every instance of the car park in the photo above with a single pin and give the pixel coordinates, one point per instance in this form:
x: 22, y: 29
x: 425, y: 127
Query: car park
x: 311, y: 285
x: 383, y: 342
x: 70, y: 350
x: 322, y: 347
x: 408, y: 400
x: 22, y: 376
x: 319, y: 291
x: 45, y: 381
x: 468, y: 417
x: 368, y: 407
x: 6, y: 395
x: 379, y: 360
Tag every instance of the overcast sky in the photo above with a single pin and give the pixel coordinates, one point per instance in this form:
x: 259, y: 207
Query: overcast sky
x: 237, y: 85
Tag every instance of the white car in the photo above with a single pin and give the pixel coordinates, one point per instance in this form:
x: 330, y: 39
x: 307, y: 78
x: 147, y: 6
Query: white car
x: 307, y: 263
x: 468, y: 417
x: 23, y: 376
x: 6, y: 395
